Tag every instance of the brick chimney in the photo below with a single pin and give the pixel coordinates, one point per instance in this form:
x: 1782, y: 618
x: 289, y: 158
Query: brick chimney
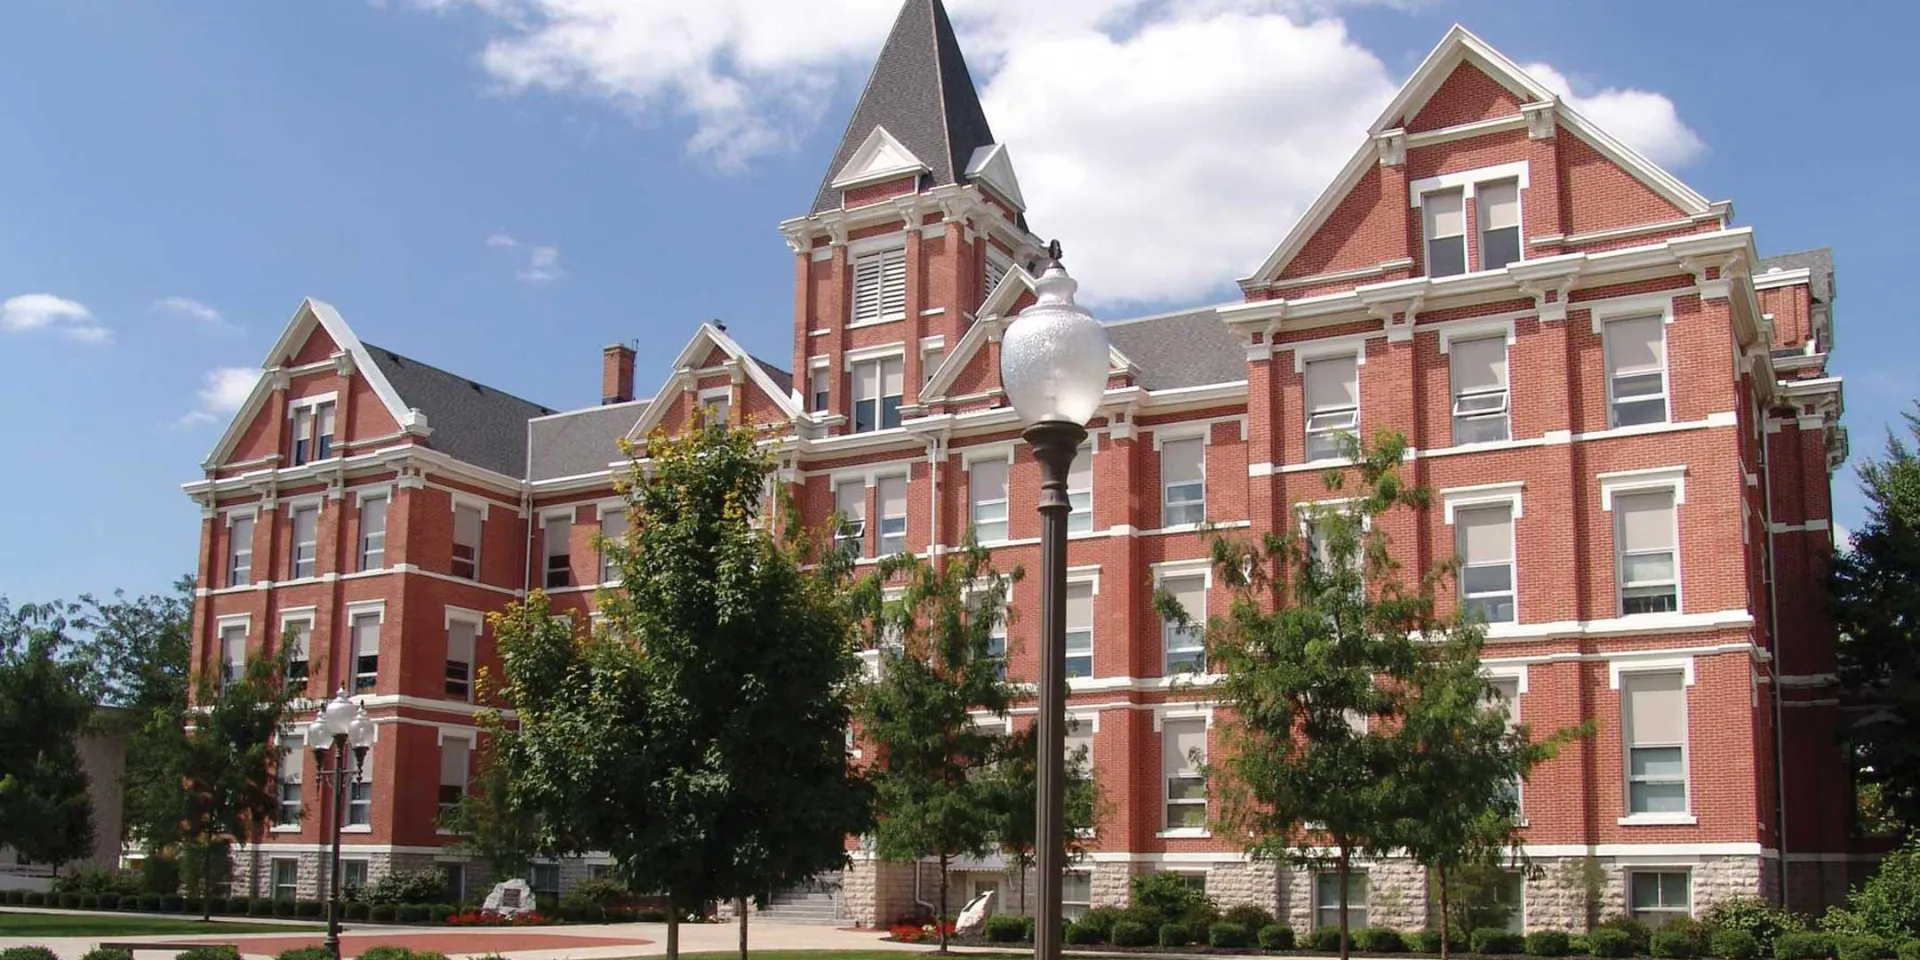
x: 616, y: 374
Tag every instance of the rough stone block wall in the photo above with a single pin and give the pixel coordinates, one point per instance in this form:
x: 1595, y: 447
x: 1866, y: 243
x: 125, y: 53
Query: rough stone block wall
x: 877, y: 891
x: 1297, y: 906
x: 1113, y: 884
x: 1396, y: 894
x: 1232, y: 884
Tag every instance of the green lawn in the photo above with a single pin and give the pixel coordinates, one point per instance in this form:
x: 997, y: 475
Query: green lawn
x: 86, y: 925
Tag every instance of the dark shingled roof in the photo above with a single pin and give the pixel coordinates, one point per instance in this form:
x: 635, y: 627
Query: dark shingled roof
x: 1818, y: 264
x: 921, y: 92
x: 472, y: 423
x: 1185, y: 349
x: 780, y: 378
x: 583, y: 441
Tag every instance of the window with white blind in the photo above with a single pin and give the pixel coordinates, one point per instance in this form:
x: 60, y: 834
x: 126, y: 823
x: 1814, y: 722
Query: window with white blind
x: 286, y: 785
x: 373, y: 533
x: 360, y: 793
x: 718, y: 408
x: 233, y: 653
x: 613, y: 528
x: 1183, y: 482
x: 466, y: 541
x: 353, y: 877
x: 286, y: 878
x: 1332, y: 387
x: 1636, y: 352
x: 1080, y: 629
x: 462, y: 637
x: 1497, y: 205
x: 1080, y: 491
x: 1648, y: 560
x: 312, y: 433
x: 819, y: 385
x: 997, y: 647
x: 880, y: 286
x: 557, y: 548
x: 1654, y: 708
x: 893, y: 515
x: 1080, y: 743
x: 1076, y: 894
x: 878, y: 388
x: 240, y: 551
x: 544, y: 878
x: 298, y: 636
x: 1478, y: 370
x: 1444, y: 218
x: 1183, y: 749
x: 455, y: 753
x: 304, y: 543
x: 930, y: 360
x: 1328, y: 895
x: 1485, y: 535
x: 1660, y: 895
x: 1506, y: 696
x: 1186, y: 649
x: 987, y: 491
x: 997, y: 267
x: 366, y: 651
x: 850, y: 499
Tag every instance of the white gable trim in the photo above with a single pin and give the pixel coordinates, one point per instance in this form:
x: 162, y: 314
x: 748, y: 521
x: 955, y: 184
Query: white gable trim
x: 880, y: 157
x: 992, y: 166
x: 703, y: 342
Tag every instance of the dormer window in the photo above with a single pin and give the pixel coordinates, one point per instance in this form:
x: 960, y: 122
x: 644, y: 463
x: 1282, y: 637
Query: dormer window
x: 1492, y: 196
x: 1446, y: 230
x: 880, y: 286
x: 312, y: 432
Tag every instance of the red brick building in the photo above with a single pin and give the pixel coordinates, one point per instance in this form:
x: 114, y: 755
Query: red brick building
x: 1621, y: 408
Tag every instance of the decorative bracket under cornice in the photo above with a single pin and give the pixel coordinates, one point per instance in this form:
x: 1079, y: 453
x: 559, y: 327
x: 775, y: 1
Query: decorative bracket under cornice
x: 1720, y: 286
x: 1400, y: 298
x: 1540, y: 119
x: 343, y: 363
x: 1392, y: 146
x: 1548, y: 282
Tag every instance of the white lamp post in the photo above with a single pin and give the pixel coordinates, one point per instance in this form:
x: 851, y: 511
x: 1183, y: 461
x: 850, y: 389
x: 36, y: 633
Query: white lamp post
x: 1053, y: 364
x: 340, y: 724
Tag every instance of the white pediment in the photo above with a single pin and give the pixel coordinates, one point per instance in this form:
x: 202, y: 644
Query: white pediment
x: 880, y: 157
x: 991, y: 165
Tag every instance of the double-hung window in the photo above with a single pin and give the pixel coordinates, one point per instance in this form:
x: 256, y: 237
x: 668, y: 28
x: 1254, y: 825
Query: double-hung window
x: 462, y: 636
x: 850, y: 499
x: 1648, y: 560
x: 1636, y: 351
x: 455, y: 752
x: 1183, y: 746
x: 1478, y: 370
x: 1497, y: 204
x: 1080, y: 491
x: 613, y: 529
x: 240, y: 551
x: 878, y: 388
x: 353, y: 877
x: 987, y: 486
x: 286, y: 877
x: 360, y: 794
x: 893, y: 515
x: 1186, y: 649
x: 1655, y: 721
x: 1332, y: 402
x: 880, y: 286
x: 1660, y: 895
x: 997, y: 647
x: 930, y: 359
x: 1076, y: 894
x: 305, y: 548
x: 1506, y: 697
x: 373, y: 533
x: 819, y: 385
x: 298, y: 636
x: 312, y: 433
x: 1328, y: 895
x: 1486, y: 561
x: 556, y: 535
x: 544, y: 878
x: 366, y: 651
x: 466, y: 541
x: 233, y: 653
x: 1183, y: 482
x: 1080, y: 629
x: 286, y: 785
x: 1444, y: 218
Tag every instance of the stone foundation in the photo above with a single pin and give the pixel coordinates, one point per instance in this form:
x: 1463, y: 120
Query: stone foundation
x: 1396, y: 894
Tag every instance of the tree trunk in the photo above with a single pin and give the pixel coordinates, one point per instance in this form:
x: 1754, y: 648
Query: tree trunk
x: 673, y: 929
x: 940, y: 917
x: 1344, y: 890
x: 1024, y: 868
x: 206, y: 882
x: 740, y: 906
x: 1445, y: 929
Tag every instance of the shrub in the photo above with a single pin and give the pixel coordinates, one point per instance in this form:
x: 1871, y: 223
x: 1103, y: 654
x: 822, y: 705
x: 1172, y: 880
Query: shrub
x: 408, y: 886
x: 98, y: 880
x: 160, y: 874
x: 1276, y: 936
x: 108, y: 953
x: 1379, y: 940
x: 27, y: 953
x: 1671, y: 945
x: 604, y: 891
x: 1324, y: 940
x: 1228, y: 934
x: 1609, y: 942
x: 1026, y: 929
x: 68, y: 901
x: 305, y: 953
x: 1732, y: 943
x: 1908, y: 951
x: 1162, y: 898
x: 285, y: 908
x: 1004, y: 928
x: 355, y: 909
x: 381, y: 913
x: 1428, y: 940
x: 386, y: 953
x: 1887, y: 905
x: 1638, y: 934
x: 1175, y: 935
x: 437, y: 955
x: 1803, y: 945
x: 91, y: 901
x: 413, y: 913
x: 1865, y: 947
x: 439, y: 912
x: 1130, y: 933
x: 1547, y: 943
x: 111, y: 901
x: 1577, y: 944
x: 208, y: 953
x: 1104, y: 918
x: 310, y: 909
x: 1082, y: 934
x: 150, y: 902
x: 182, y: 904
x: 259, y: 907
x: 1496, y: 940
x: 11, y: 897
x: 33, y: 898
x: 1763, y: 920
x: 1249, y: 915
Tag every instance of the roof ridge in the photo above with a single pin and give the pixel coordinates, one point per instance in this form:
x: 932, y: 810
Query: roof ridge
x: 1170, y: 314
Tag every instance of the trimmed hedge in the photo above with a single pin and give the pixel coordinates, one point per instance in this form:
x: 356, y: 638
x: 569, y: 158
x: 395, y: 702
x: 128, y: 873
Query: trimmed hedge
x: 259, y: 907
x: 311, y: 909
x: 1734, y: 945
x: 208, y: 953
x: 111, y: 901
x: 1671, y: 945
x: 1128, y: 933
x: 305, y: 953
x: 413, y: 913
x: 1909, y: 950
x: 1865, y: 947
x: 1324, y: 940
x: 285, y: 908
x: 382, y: 913
x: 1250, y: 915
x: 107, y: 953
x: 1276, y: 936
x: 1175, y: 935
x: 1803, y: 945
x: 1083, y: 934
x: 89, y: 901
x: 1609, y: 942
x: 1548, y: 943
x: 1228, y: 934
x: 1379, y: 940
x: 1494, y: 940
x: 27, y: 953
x: 11, y: 897
x: 1003, y: 928
x: 386, y: 953
x: 354, y: 910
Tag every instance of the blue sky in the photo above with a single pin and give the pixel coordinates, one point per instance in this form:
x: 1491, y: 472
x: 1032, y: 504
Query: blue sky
x: 178, y: 182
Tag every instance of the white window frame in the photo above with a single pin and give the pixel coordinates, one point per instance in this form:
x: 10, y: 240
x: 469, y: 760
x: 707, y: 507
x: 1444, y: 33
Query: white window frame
x: 1620, y: 673
x: 995, y: 267
x: 296, y: 557
x: 819, y: 385
x: 1075, y: 908
x: 288, y: 808
x: 1175, y: 434
x: 1355, y: 911
x: 1080, y: 499
x: 548, y: 519
x: 461, y: 502
x: 933, y: 352
x: 608, y: 575
x: 229, y: 670
x: 1469, y: 182
x: 1652, y: 480
x: 376, y: 609
x: 1090, y: 578
x: 305, y: 414
x: 893, y: 529
x: 709, y: 399
x: 1455, y: 499
x: 370, y: 557
x: 868, y: 370
x: 1517, y: 674
x: 289, y: 617
x: 291, y: 890
x: 868, y: 306
x: 1332, y: 350
x: 1167, y: 777
x: 1473, y: 405
x: 975, y: 505
x: 238, y: 548
x: 1428, y: 237
x: 1184, y: 570
x: 360, y: 796
x: 1604, y: 312
x: 852, y: 533
x: 470, y: 618
x: 469, y: 740
x: 1481, y: 229
x: 1662, y: 914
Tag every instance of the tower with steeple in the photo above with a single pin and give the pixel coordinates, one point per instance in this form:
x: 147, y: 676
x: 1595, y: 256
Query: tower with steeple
x: 918, y: 216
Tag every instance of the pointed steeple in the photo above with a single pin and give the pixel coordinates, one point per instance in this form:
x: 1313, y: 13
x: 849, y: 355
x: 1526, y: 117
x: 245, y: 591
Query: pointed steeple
x: 921, y: 94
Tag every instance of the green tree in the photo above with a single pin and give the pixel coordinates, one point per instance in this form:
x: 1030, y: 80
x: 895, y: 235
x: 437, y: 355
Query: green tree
x: 227, y: 761
x: 1318, y: 651
x: 45, y: 811
x: 933, y: 773
x: 491, y: 822
x: 721, y: 672
x: 1014, y: 784
x: 1876, y: 608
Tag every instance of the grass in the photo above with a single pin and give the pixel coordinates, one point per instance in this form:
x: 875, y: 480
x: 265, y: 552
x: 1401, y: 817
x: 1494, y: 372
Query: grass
x: 85, y: 925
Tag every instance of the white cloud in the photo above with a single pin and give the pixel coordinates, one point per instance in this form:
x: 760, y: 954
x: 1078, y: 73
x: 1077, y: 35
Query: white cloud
x: 501, y: 240
x: 1642, y: 119
x: 199, y: 313
x: 543, y: 260
x: 30, y: 312
x: 222, y: 392
x: 1169, y: 144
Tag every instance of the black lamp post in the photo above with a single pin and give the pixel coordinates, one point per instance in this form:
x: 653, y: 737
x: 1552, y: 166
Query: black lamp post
x: 340, y: 724
x: 1053, y: 364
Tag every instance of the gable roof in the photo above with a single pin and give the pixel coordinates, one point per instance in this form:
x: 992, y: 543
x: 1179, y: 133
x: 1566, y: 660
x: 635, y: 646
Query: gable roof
x: 472, y: 422
x: 1461, y: 46
x: 579, y: 442
x: 776, y: 383
x: 1190, y: 348
x: 921, y: 93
